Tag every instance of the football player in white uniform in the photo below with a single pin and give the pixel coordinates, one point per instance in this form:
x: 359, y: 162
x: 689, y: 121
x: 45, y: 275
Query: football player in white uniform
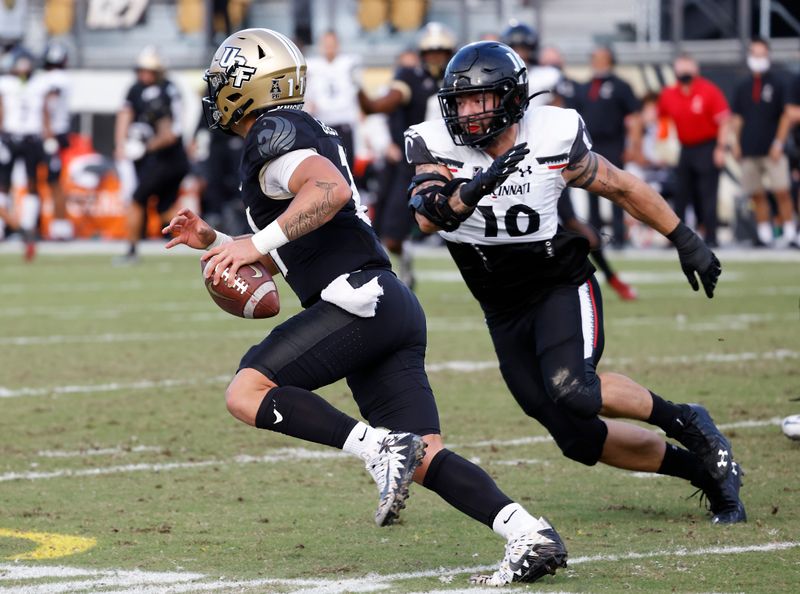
x: 489, y: 175
x: 22, y: 116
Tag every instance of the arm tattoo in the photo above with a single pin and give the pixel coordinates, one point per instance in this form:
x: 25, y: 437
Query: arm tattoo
x: 587, y: 171
x: 315, y: 215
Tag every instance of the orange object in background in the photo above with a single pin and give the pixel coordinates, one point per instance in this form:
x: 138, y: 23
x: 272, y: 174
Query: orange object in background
x: 92, y: 189
x: 94, y: 199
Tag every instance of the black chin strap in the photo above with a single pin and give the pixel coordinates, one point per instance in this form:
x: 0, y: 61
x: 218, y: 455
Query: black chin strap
x: 537, y: 93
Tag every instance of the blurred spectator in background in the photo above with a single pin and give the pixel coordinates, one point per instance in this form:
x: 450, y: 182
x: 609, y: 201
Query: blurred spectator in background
x: 22, y: 115
x: 611, y: 113
x: 564, y: 96
x: 56, y: 133
x: 760, y: 128
x: 565, y: 88
x: 332, y: 91
x: 525, y: 41
x: 701, y: 116
x: 148, y: 132
x: 406, y: 101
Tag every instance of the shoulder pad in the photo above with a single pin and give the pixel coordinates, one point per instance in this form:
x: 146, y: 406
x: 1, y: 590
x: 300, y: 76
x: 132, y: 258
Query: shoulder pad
x: 279, y: 132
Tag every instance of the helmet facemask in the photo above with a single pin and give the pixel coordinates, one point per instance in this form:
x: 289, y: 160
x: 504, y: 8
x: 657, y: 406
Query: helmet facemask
x: 216, y: 82
x: 509, y: 106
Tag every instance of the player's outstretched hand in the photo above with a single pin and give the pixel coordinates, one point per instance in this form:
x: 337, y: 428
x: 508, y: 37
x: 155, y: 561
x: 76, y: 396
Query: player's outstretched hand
x: 189, y: 229
x: 696, y: 258
x: 232, y: 255
x: 486, y: 181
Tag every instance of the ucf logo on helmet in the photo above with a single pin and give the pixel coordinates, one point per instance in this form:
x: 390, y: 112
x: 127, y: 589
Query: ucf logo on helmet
x: 234, y: 63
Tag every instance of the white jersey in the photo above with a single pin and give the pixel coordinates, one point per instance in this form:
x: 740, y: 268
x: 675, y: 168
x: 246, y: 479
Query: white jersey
x: 23, y: 104
x: 57, y: 82
x: 524, y: 208
x: 331, y: 89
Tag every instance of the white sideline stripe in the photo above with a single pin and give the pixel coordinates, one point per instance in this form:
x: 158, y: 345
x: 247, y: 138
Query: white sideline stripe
x: 97, y: 451
x: 279, y: 455
x: 186, y: 582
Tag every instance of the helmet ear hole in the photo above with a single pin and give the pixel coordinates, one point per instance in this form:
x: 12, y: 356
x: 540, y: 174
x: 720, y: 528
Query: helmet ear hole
x: 234, y: 97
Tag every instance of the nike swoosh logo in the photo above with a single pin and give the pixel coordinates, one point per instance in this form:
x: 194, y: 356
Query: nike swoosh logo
x: 213, y: 291
x: 509, y: 517
x: 278, y: 416
x: 363, y: 436
x: 256, y: 272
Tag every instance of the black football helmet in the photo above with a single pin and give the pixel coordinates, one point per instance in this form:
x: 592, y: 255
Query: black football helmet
x: 487, y: 67
x: 519, y: 34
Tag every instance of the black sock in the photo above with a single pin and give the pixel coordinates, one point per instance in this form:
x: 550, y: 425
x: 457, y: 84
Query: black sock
x: 132, y: 249
x: 465, y: 486
x: 665, y: 415
x: 302, y: 414
x: 684, y: 464
x: 600, y: 259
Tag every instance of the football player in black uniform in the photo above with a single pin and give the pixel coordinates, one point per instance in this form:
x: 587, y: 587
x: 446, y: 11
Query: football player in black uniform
x: 359, y: 321
x: 407, y: 103
x: 148, y: 132
x: 489, y: 176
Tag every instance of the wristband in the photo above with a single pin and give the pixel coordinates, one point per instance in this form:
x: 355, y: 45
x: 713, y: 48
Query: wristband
x: 220, y: 239
x: 270, y: 238
x: 681, y: 235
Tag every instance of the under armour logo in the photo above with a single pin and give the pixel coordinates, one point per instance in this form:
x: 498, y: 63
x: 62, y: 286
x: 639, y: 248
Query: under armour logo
x: 527, y: 171
x: 723, y: 458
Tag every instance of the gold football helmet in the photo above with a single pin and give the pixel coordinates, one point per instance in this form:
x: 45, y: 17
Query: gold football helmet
x: 436, y: 37
x: 253, y: 69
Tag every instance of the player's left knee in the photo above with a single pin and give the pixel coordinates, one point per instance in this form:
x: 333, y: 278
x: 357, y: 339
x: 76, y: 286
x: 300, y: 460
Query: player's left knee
x: 575, y: 393
x: 245, y: 393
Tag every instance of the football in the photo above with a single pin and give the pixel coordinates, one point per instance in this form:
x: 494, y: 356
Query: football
x: 252, y: 294
x: 791, y: 427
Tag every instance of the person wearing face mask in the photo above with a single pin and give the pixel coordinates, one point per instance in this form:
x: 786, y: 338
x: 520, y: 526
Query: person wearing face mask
x: 701, y: 115
x: 611, y: 113
x: 761, y: 124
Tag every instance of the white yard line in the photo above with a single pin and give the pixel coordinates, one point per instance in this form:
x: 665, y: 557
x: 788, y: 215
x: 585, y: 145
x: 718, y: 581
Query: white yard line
x: 110, y: 387
x: 98, y: 451
x: 278, y: 455
x: 142, y: 582
x: 298, y: 454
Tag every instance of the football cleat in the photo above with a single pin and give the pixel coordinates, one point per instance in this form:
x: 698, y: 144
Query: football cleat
x: 702, y: 437
x: 528, y: 557
x: 723, y: 498
x: 392, y: 467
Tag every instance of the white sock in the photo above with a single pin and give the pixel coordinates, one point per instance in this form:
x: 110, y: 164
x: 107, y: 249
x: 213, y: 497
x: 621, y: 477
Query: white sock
x: 765, y: 233
x: 513, y: 520
x: 363, y: 440
x: 30, y: 212
x: 789, y: 231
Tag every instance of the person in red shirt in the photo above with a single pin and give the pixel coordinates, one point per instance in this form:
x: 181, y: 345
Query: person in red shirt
x: 701, y: 115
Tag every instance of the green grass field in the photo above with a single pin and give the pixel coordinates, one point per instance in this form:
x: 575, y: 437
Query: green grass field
x: 113, y: 428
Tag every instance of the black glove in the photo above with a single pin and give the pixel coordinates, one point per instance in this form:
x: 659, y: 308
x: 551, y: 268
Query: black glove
x: 486, y: 181
x: 696, y: 257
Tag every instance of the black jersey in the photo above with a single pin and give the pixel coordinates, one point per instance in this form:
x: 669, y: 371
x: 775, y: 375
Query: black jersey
x: 417, y: 86
x: 344, y: 244
x: 151, y: 103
